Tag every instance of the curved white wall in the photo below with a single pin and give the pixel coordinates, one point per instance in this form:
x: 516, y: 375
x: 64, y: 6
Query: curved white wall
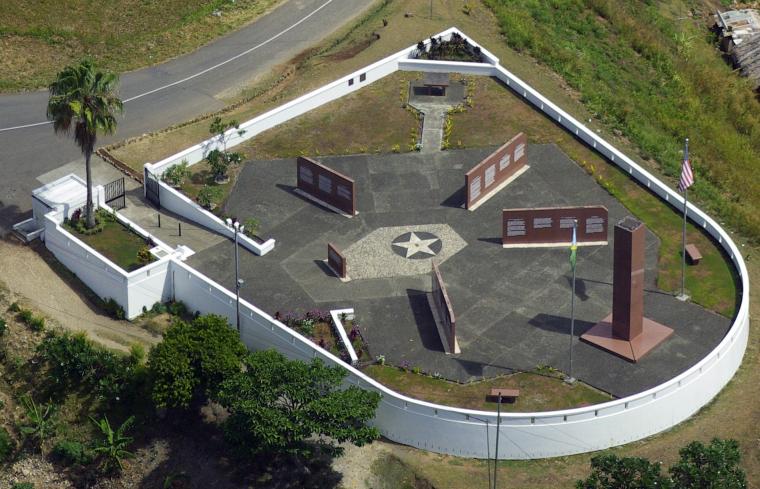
x: 464, y: 432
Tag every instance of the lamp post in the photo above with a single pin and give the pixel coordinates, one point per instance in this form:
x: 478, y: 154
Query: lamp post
x: 498, y: 426
x: 238, y: 281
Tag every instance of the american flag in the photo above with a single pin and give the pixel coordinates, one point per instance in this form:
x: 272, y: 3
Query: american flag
x: 687, y: 176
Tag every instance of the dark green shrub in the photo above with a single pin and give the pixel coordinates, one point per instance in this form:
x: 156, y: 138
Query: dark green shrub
x: 37, y: 323
x: 113, y: 309
x: 75, y: 363
x: 25, y: 316
x: 22, y: 485
x: 14, y: 307
x: 158, y: 308
x: 177, y: 308
x: 3, y: 326
x: 70, y: 452
x: 6, y: 445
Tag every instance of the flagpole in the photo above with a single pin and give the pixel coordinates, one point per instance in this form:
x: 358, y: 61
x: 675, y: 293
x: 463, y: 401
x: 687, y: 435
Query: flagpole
x: 683, y: 296
x: 570, y: 378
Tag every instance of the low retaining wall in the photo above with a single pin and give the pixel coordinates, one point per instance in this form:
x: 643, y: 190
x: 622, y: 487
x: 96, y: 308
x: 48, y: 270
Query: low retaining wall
x: 178, y: 203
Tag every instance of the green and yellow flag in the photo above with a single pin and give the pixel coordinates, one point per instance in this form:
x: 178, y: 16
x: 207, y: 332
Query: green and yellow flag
x: 573, y: 249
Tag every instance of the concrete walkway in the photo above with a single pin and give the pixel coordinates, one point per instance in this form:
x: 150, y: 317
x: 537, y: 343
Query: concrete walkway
x: 432, y: 126
x: 174, y: 230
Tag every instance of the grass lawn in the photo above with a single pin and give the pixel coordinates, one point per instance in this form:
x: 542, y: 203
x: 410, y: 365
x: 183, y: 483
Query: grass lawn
x: 538, y: 391
x: 201, y: 176
x: 117, y: 243
x: 39, y: 38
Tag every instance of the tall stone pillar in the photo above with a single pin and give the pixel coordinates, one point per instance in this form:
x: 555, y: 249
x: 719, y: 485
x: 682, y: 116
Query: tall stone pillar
x: 626, y: 332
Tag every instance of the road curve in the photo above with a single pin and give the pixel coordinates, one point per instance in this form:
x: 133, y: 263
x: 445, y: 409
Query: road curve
x: 161, y: 95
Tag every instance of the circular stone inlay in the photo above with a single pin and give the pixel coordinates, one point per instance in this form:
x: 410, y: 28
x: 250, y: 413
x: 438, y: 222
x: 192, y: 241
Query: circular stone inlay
x: 417, y: 244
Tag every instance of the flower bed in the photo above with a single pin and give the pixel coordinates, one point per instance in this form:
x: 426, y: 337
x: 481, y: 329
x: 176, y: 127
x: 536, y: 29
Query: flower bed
x: 317, y: 325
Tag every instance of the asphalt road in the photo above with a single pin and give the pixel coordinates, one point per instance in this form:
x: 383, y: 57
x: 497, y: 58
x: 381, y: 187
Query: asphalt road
x: 161, y: 95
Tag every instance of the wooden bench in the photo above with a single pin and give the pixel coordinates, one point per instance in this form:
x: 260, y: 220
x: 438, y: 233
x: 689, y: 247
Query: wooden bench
x: 507, y: 395
x: 692, y: 254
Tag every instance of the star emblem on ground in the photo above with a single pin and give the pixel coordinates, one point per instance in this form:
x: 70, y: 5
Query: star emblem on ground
x: 417, y: 244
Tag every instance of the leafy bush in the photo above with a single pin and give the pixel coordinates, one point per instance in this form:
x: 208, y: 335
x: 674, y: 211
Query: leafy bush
x: 6, y: 445
x: 22, y: 485
x: 193, y: 359
x: 251, y: 226
x: 74, y: 362
x: 3, y: 326
x: 25, y: 316
x: 41, y: 422
x: 37, y: 323
x: 209, y: 196
x: 14, y: 307
x: 71, y: 452
x: 114, y: 309
x: 144, y: 256
x: 177, y: 308
x: 176, y: 175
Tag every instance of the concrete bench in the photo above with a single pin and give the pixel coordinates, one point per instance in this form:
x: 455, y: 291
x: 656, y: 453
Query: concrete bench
x: 507, y: 395
x: 692, y: 254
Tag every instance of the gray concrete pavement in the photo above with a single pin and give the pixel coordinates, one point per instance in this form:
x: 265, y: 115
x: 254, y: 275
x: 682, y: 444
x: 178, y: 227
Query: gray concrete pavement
x: 29, y: 152
x: 512, y: 305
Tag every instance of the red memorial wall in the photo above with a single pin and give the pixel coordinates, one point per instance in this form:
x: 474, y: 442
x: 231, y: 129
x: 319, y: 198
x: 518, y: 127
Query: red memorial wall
x: 326, y: 185
x: 444, y: 309
x: 336, y: 261
x: 495, y: 169
x: 553, y: 225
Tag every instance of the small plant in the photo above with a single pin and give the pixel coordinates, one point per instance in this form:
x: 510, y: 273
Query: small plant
x: 144, y: 256
x: 136, y: 354
x: 23, y: 485
x: 176, y: 175
x: 113, y: 309
x: 416, y: 370
x: 25, y: 316
x: 14, y: 307
x: 251, y: 226
x: 396, y: 148
x: 380, y: 359
x: 37, y: 323
x: 3, y: 326
x: 70, y: 453
x: 208, y: 197
x: 219, y: 164
x: 466, y: 8
x: 6, y: 445
x: 177, y: 308
x: 112, y: 447
x: 41, y: 422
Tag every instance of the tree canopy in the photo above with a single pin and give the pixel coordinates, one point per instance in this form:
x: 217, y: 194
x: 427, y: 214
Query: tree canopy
x: 85, y: 98
x: 192, y: 360
x: 275, y: 404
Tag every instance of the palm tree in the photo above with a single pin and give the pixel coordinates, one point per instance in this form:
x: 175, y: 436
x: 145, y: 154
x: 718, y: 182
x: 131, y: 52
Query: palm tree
x: 86, y: 99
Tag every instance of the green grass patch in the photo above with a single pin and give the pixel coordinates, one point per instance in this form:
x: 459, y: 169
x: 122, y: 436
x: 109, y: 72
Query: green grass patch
x: 118, y: 243
x: 651, y: 71
x: 39, y: 38
x: 539, y: 391
x: 392, y: 473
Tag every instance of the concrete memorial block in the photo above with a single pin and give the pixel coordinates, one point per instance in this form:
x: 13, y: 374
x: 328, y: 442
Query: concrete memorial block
x: 495, y: 171
x: 326, y: 186
x: 626, y: 332
x: 553, y: 226
x: 443, y: 312
x: 336, y: 261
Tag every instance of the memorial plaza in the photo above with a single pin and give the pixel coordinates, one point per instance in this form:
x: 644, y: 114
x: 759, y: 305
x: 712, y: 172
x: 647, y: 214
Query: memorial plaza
x: 512, y: 306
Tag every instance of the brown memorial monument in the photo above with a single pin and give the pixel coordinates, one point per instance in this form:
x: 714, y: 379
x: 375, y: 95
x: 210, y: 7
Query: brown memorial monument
x: 553, y: 226
x: 443, y: 313
x: 336, y: 261
x: 326, y: 186
x: 626, y: 332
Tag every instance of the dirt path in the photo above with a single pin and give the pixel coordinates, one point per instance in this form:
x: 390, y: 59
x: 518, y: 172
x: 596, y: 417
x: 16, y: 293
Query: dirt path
x: 30, y: 277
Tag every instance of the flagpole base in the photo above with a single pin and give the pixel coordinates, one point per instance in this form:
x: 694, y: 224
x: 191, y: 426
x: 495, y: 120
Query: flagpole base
x: 683, y: 297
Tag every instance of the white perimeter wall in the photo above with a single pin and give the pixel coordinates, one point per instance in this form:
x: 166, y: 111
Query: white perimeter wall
x: 132, y: 291
x: 460, y: 431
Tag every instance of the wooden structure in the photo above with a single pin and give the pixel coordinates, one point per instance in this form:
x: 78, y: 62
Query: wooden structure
x: 507, y: 395
x: 693, y: 254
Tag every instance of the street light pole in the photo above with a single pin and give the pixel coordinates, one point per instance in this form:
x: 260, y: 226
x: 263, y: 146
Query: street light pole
x: 496, y: 453
x: 238, y: 281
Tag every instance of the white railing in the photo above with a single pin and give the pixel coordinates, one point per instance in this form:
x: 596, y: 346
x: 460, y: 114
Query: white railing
x: 464, y: 432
